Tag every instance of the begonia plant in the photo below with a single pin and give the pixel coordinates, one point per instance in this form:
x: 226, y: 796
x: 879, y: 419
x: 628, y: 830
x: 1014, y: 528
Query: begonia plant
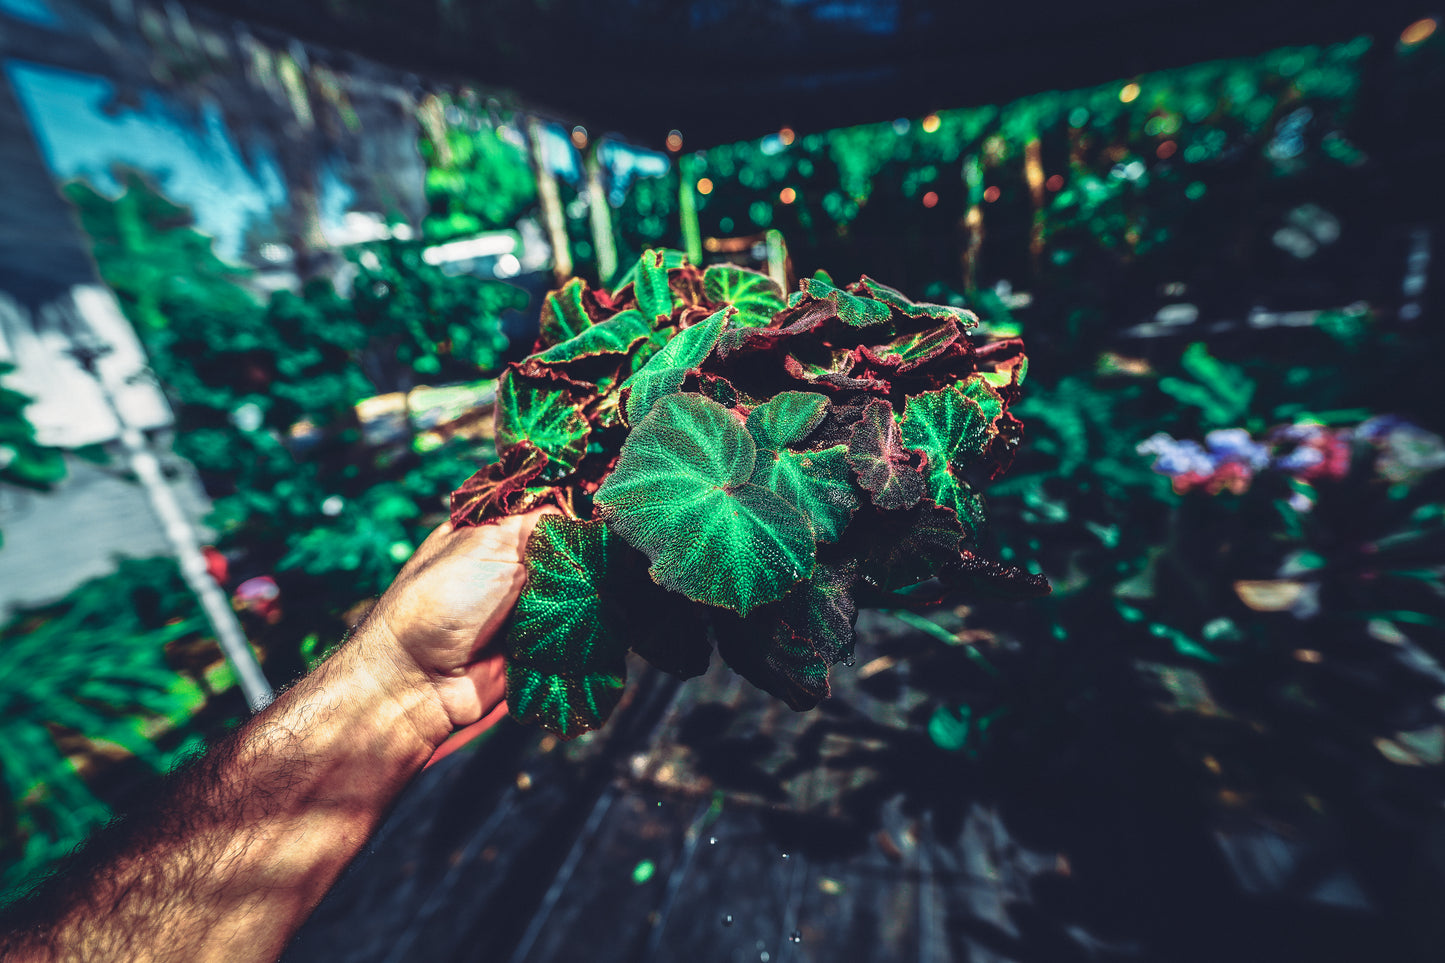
x: 738, y: 467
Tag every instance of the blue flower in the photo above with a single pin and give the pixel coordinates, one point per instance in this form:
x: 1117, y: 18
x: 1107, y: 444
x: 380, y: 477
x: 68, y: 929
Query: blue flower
x: 1174, y: 457
x: 1235, y: 444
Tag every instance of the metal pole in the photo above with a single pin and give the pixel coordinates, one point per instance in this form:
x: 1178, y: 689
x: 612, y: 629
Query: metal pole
x: 185, y: 544
x: 187, y: 549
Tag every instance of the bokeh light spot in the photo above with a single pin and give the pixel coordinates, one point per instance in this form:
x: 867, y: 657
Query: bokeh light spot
x: 1418, y: 32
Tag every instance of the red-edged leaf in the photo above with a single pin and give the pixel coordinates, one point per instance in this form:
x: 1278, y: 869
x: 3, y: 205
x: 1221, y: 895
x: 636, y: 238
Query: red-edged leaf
x: 1004, y: 365
x: 566, y: 313
x: 506, y: 487
x: 851, y: 309
x: 908, y: 351
x: 899, y: 302
x: 616, y: 335
x: 546, y: 412
x: 836, y: 371
x: 788, y: 324
x: 786, y: 649
x: 884, y: 467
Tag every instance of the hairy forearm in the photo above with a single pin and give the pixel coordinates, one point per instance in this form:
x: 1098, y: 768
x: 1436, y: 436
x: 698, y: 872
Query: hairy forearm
x: 247, y: 840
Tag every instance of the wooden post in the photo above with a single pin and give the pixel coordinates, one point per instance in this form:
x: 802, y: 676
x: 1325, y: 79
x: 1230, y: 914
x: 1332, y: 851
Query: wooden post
x: 551, y: 203
x: 599, y: 211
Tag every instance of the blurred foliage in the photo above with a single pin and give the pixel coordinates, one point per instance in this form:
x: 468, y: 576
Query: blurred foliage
x: 100, y: 665
x: 266, y: 395
x: 23, y: 461
x: 478, y: 177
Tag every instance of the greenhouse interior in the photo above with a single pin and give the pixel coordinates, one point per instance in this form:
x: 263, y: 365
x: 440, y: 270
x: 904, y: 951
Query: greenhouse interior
x: 1038, y: 409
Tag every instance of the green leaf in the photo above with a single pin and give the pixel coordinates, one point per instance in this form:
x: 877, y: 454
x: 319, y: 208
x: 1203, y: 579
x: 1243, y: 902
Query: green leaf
x: 31, y: 465
x: 719, y: 389
x: 899, y: 302
x: 957, y: 728
x: 564, y: 313
x: 681, y: 492
x: 954, y: 431
x: 787, y: 649
x: 566, y: 651
x: 544, y: 413
x: 1222, y: 392
x: 981, y: 391
x: 851, y: 309
x: 908, y: 351
x: 654, y: 297
x: 665, y: 371
x: 1182, y: 643
x: 884, y: 467
x: 949, y: 427
x: 670, y: 259
x: 818, y: 483
x: 786, y: 418
x: 756, y: 296
x: 617, y: 335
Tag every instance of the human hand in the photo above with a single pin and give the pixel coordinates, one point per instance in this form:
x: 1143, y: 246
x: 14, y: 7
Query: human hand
x: 442, y: 611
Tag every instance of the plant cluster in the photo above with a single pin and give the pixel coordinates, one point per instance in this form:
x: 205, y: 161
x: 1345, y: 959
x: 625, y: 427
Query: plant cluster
x: 77, y: 680
x: 23, y: 460
x: 732, y: 463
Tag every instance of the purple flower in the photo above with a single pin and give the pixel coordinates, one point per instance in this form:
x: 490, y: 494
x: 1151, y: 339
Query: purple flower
x: 1174, y: 457
x: 1300, y: 459
x: 1235, y: 445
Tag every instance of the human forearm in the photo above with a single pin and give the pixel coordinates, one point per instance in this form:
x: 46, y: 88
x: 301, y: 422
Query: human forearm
x: 249, y: 839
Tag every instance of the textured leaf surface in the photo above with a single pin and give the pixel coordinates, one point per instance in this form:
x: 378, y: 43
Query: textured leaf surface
x: 617, y: 335
x: 544, y: 413
x: 836, y: 371
x: 883, y: 466
x: 719, y: 389
x: 908, y: 351
x: 506, y: 487
x: 681, y: 492
x: 980, y: 390
x: 566, y: 664
x: 564, y: 313
x: 788, y: 648
x: 953, y: 431
x: 756, y: 296
x: 786, y: 418
x: 665, y: 371
x: 818, y: 483
x: 670, y: 259
x: 654, y: 297
x: 899, y: 302
x: 860, y: 312
x: 956, y: 432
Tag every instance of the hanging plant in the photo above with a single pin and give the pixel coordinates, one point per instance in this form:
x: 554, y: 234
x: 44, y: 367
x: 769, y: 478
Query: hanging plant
x: 735, y: 467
